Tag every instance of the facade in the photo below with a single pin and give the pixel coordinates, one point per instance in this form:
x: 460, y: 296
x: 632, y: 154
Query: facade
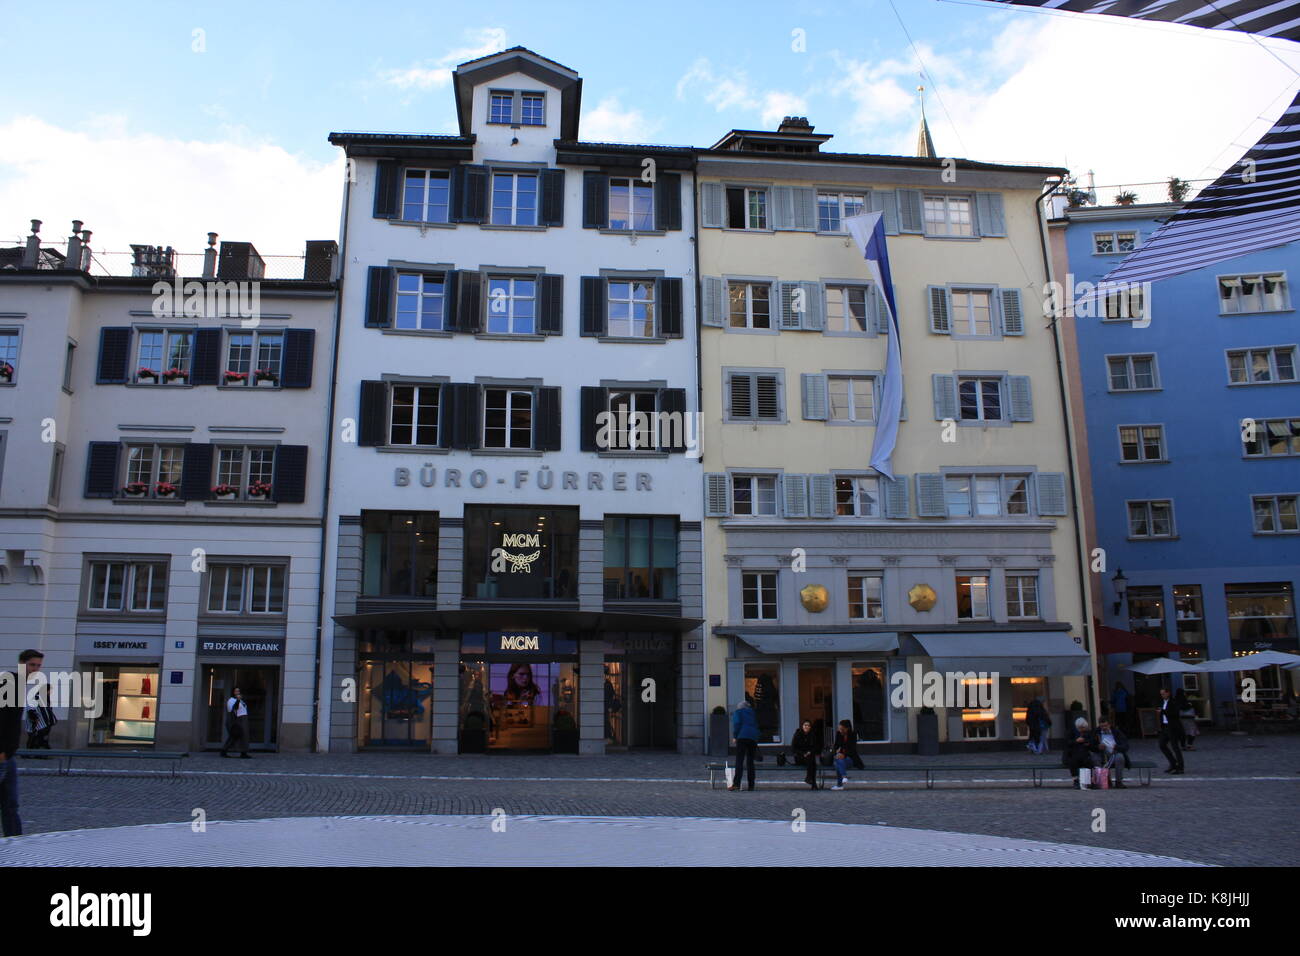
x: 828, y: 580
x: 1191, y: 399
x: 161, y: 484
x: 507, y: 567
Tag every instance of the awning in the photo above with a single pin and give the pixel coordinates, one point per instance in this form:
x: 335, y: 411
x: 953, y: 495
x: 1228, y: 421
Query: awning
x: 1112, y: 640
x: 1014, y: 654
x: 819, y: 643
x: 542, y: 619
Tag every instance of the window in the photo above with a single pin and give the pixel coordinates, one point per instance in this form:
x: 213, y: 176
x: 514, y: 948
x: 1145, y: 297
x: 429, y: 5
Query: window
x: 852, y: 398
x: 1109, y: 243
x: 948, y: 216
x: 1275, y: 514
x: 846, y: 309
x: 857, y: 496
x: 1274, y: 438
x: 253, y: 357
x: 986, y: 495
x: 520, y: 553
x: 421, y: 302
x: 834, y: 208
x: 633, y: 419
x: 505, y: 105
x: 746, y: 208
x: 8, y: 354
x: 414, y: 415
x: 246, y: 589
x: 1022, y: 595
x: 631, y: 308
x: 753, y: 494
x: 631, y: 204
x: 164, y: 356
x: 501, y: 107
x: 1124, y: 303
x: 246, y: 470
x: 865, y: 596
x: 67, y: 365
x: 1151, y: 519
x: 1258, y: 293
x: 127, y: 586
x: 399, y: 554
x: 750, y: 305
x: 972, y: 596
x: 1132, y: 373
x: 507, y: 418
x: 153, y: 470
x: 758, y: 595
x: 1261, y: 366
x: 640, y: 558
x: 754, y: 396
x: 980, y: 399
x: 1142, y: 442
x: 1189, y: 612
x: 1260, y: 613
x: 532, y: 109
x: 762, y: 688
x: 514, y: 199
x: 426, y: 195
x: 56, y: 472
x: 512, y: 305
x: 972, y: 312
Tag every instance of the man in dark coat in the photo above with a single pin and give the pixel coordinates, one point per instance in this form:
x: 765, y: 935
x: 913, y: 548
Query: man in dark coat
x: 13, y: 701
x: 1171, y: 732
x: 1109, y: 746
x: 806, y: 750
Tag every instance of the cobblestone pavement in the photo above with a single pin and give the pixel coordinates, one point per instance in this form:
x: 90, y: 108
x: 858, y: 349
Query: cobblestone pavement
x: 1235, y: 806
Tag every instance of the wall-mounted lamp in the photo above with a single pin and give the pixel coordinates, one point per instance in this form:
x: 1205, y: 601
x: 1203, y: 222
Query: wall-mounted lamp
x: 1120, y: 584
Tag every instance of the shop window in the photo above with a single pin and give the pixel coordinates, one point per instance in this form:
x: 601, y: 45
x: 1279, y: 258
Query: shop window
x: 130, y: 705
x: 762, y: 689
x: 1023, y: 692
x: 395, y: 707
x: 1189, y: 617
x: 870, y: 711
x: 1146, y: 611
x: 978, y: 723
x: 399, y: 554
x: 640, y: 558
x: 520, y: 553
x: 1260, y: 616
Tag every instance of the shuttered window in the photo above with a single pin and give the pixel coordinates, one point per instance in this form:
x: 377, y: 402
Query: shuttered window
x: 512, y: 305
x: 415, y: 415
x: 631, y: 204
x: 948, y: 215
x: 746, y: 207
x: 858, y: 496
x: 754, y: 396
x: 507, y: 418
x: 514, y: 199
x: 426, y: 195
x: 630, y: 312
x: 753, y: 494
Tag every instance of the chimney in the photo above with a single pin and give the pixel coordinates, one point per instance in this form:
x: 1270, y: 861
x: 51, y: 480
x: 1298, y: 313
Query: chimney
x: 32, y: 254
x: 85, y: 250
x: 73, y: 260
x: 318, y: 264
x: 210, y: 257
x: 795, y: 124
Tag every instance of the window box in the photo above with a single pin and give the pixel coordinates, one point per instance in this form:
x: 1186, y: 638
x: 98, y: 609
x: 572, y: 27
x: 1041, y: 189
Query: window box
x: 176, y: 376
x: 136, y: 489
x: 165, y: 489
x: 265, y: 376
x: 234, y: 378
x: 146, y: 376
x: 6, y: 373
x: 259, y: 490
x: 225, y: 492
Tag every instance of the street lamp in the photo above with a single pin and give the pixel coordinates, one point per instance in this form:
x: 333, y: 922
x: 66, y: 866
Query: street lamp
x: 1120, y: 583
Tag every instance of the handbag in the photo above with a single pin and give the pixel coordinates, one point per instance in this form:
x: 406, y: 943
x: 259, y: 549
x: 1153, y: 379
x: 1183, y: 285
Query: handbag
x: 780, y: 759
x: 1085, y: 779
x: 1101, y: 777
x: 34, y: 720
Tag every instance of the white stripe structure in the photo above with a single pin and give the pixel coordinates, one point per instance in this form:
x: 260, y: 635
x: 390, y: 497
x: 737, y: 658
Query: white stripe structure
x: 1280, y: 18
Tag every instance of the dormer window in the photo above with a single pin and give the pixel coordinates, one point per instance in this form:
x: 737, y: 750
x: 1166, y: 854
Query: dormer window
x: 517, y: 108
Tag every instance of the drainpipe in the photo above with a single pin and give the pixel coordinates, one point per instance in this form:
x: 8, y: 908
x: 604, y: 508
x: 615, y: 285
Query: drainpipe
x: 1079, y: 545
x: 699, y: 438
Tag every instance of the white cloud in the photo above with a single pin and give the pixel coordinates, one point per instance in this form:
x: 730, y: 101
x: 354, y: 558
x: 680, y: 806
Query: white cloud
x: 611, y: 122
x: 735, y: 93
x: 425, y: 76
x: 151, y: 189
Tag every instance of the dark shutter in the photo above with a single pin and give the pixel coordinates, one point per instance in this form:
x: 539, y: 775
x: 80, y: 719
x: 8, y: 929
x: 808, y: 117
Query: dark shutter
x: 463, y: 417
x: 593, y: 401
x: 101, y: 469
x: 206, y: 366
x: 450, y: 296
x: 114, y: 355
x: 741, y: 389
x: 546, y: 422
x: 668, y: 201
x: 373, y: 420
x: 469, y: 302
x: 196, y: 472
x: 289, y: 479
x: 469, y: 194
x: 551, y: 315
x: 299, y: 346
x: 670, y: 308
x: 673, y: 432
x: 387, y: 178
x: 552, y: 187
x: 593, y: 305
x: 595, y: 200
x: 379, y: 298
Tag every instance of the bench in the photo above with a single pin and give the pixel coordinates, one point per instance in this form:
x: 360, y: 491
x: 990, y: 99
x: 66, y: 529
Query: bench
x: 65, y: 757
x: 1143, y: 769
x: 719, y: 770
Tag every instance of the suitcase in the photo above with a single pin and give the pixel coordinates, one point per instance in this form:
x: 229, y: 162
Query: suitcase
x: 1085, y: 779
x: 1101, y: 776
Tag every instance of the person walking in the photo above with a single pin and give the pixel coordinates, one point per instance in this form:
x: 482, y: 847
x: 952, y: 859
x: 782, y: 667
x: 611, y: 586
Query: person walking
x: 1171, y: 732
x: 806, y: 751
x: 12, y: 715
x: 1109, y: 749
x: 1186, y: 719
x: 236, y: 725
x: 845, y: 752
x: 1037, y: 722
x: 744, y: 731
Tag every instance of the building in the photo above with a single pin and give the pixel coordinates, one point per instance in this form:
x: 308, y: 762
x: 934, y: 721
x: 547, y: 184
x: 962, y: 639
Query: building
x: 162, y: 440
x: 828, y: 581
x: 1191, y: 399
x: 507, y: 567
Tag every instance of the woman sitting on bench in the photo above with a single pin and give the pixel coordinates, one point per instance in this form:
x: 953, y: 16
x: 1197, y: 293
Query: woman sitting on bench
x: 805, y: 751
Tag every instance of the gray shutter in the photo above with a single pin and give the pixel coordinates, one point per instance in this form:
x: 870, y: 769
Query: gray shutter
x: 936, y: 297
x: 740, y: 396
x: 717, y: 496
x: 711, y: 204
x: 805, y: 208
x: 989, y: 219
x: 1021, y: 398
x: 790, y: 319
x: 945, y: 396
x: 713, y: 308
x: 1051, y: 492
x: 768, y: 397
x: 895, y: 493
x: 781, y: 212
x: 884, y: 200
x: 910, y: 216
x: 794, y: 496
x: 1013, y: 320
x: 821, y: 496
x: 930, y: 500
x: 814, y: 315
x: 814, y: 397
x: 877, y: 310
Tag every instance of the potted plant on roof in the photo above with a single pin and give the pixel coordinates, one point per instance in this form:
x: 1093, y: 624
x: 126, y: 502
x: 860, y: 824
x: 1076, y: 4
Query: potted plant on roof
x: 135, y: 489
x: 259, y: 490
x: 229, y: 377
x: 265, y: 376
x: 6, y: 372
x: 1126, y: 198
x: 146, y: 376
x: 225, y: 492
x: 165, y: 489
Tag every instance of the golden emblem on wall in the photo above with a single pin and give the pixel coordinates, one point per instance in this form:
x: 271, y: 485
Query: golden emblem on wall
x: 922, y: 597
x: 815, y: 598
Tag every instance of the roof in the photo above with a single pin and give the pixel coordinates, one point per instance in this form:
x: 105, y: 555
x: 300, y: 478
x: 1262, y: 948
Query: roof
x: 517, y: 49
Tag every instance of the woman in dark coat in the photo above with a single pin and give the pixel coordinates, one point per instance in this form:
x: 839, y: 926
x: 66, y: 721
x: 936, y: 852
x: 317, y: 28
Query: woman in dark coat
x: 845, y: 752
x: 806, y: 748
x: 1035, y: 719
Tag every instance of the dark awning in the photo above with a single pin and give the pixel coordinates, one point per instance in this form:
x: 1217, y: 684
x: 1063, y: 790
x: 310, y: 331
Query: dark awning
x: 1027, y: 653
x: 1113, y: 640
x: 546, y: 619
x: 768, y: 643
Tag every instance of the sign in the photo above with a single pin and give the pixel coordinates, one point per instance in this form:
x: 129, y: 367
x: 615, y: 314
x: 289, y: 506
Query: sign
x: 241, y: 646
x: 542, y: 478
x: 659, y: 645
x: 91, y: 647
x: 518, y: 642
x: 516, y: 563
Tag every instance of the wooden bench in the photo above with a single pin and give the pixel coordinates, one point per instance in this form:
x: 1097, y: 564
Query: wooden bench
x: 65, y: 757
x: 1143, y: 769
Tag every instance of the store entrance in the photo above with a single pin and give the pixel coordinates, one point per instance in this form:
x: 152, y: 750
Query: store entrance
x: 259, y: 687
x: 650, y: 708
x: 816, y: 683
x: 528, y: 705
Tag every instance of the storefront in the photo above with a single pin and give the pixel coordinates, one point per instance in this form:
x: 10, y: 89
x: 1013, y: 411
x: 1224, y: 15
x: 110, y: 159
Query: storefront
x: 254, y: 665
x: 129, y: 669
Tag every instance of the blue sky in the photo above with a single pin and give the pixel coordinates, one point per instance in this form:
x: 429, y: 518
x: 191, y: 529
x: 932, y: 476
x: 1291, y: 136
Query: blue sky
x: 118, y: 107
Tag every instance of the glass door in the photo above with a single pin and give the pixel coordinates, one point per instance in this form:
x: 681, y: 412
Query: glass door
x: 259, y: 687
x: 650, y: 722
x: 523, y: 701
x: 396, y: 711
x: 816, y: 683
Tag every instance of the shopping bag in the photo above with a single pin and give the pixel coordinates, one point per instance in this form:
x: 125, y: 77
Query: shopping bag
x: 730, y: 772
x: 1085, y: 779
x: 1102, y: 777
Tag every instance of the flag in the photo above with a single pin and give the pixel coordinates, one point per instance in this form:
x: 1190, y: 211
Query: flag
x: 868, y: 231
x: 1280, y: 18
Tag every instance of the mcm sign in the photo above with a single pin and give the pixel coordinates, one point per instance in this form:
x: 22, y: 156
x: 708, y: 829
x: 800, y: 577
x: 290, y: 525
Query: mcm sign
x: 503, y: 560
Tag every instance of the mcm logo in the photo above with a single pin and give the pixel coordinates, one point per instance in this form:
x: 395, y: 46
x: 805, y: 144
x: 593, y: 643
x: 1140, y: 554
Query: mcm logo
x: 503, y: 560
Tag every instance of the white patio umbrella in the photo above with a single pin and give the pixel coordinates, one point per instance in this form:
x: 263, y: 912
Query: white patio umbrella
x: 1251, y: 662
x: 1163, y: 665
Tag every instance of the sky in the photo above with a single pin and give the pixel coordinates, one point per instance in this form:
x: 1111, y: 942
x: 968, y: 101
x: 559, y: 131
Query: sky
x: 160, y: 122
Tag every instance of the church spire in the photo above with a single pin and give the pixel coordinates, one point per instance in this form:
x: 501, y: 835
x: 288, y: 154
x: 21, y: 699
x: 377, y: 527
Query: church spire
x: 924, y: 144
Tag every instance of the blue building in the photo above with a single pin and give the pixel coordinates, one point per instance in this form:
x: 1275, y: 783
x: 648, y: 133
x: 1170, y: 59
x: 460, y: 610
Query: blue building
x: 1189, y: 434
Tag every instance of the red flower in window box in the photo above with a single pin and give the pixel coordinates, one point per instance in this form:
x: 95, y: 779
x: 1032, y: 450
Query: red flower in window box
x: 165, y: 489
x: 174, y: 373
x: 135, y: 489
x: 146, y: 373
x: 226, y: 491
x: 6, y: 371
x: 259, y: 489
x: 265, y: 375
x: 230, y: 376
